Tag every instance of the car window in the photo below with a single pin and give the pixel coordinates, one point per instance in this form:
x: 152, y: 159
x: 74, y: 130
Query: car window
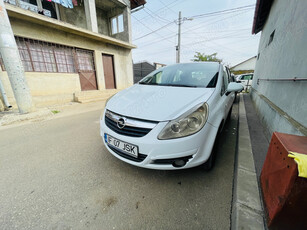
x: 230, y: 77
x: 247, y: 77
x: 226, y: 81
x: 158, y: 77
x: 223, y: 87
x: 184, y: 75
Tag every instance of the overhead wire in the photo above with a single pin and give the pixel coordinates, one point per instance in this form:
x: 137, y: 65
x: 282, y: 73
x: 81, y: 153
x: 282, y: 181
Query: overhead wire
x: 222, y: 11
x: 239, y: 10
x: 191, y: 28
x: 152, y: 31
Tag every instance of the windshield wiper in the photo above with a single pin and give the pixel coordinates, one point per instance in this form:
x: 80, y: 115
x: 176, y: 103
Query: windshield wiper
x: 172, y: 85
x: 191, y: 86
x: 147, y: 83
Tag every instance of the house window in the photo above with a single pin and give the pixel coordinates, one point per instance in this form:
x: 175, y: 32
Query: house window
x: 64, y: 59
x: 40, y: 56
x: 85, y: 60
x: 271, y: 37
x: 117, y: 24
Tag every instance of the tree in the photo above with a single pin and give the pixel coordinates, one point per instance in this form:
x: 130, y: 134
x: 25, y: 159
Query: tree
x: 202, y: 57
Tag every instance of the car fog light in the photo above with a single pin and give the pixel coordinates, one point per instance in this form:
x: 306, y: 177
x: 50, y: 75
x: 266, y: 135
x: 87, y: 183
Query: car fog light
x: 179, y: 163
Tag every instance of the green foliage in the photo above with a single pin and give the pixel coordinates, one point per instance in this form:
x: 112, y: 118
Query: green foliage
x: 55, y: 111
x: 202, y: 57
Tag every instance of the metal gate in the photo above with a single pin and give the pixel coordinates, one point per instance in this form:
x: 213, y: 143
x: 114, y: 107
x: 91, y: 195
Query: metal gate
x: 86, y: 69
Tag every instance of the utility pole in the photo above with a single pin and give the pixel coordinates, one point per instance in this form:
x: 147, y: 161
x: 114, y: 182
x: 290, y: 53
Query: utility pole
x: 179, y: 39
x: 178, y: 47
x: 13, y: 64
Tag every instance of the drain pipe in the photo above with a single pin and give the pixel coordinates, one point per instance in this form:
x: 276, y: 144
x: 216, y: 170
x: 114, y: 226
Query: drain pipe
x: 6, y: 102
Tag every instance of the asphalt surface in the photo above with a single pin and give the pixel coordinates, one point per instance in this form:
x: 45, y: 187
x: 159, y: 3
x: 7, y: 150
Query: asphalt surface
x: 57, y: 174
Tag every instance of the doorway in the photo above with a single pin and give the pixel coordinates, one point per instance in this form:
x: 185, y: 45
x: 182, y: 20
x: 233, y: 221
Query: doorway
x: 86, y: 69
x: 109, y: 74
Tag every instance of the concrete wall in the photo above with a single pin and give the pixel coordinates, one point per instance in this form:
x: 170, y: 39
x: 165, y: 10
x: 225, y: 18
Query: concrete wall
x: 57, y: 85
x: 142, y: 69
x: 103, y: 22
x: 75, y: 16
x: 247, y: 65
x: 282, y: 105
x: 46, y: 88
x: 126, y: 34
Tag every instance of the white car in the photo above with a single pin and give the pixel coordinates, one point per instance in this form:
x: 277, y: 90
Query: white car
x: 245, y: 79
x: 171, y: 118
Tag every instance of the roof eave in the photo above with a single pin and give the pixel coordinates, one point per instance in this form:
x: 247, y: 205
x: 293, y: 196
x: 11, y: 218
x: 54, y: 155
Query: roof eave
x: 262, y: 11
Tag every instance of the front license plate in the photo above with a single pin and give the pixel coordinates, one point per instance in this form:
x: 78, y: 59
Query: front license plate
x: 121, y: 145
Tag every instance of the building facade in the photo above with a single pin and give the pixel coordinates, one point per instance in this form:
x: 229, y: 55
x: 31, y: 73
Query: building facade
x: 279, y: 88
x: 71, y: 49
x: 247, y: 66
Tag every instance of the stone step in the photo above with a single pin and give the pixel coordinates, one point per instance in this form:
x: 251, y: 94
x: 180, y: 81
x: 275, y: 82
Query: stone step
x: 93, y: 95
x: 92, y: 100
x: 42, y: 101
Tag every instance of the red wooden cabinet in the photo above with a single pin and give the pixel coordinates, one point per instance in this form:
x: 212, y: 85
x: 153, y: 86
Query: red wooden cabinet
x: 284, y: 193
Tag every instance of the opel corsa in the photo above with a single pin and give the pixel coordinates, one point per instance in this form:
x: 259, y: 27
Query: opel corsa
x: 171, y: 118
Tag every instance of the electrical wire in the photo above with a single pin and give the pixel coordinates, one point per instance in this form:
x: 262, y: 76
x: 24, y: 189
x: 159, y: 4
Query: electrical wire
x: 222, y: 11
x: 152, y: 31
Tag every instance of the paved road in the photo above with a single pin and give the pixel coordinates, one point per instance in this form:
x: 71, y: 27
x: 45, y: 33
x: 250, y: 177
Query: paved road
x: 57, y: 174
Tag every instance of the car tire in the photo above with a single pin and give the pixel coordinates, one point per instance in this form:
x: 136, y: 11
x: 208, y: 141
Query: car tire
x: 229, y: 114
x: 209, y: 164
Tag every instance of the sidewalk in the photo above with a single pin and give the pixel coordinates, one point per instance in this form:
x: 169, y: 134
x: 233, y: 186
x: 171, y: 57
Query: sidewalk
x: 247, y: 210
x: 259, y: 141
x: 14, y: 118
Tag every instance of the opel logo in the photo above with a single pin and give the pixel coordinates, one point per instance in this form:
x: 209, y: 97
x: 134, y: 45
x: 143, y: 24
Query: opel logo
x: 121, y: 122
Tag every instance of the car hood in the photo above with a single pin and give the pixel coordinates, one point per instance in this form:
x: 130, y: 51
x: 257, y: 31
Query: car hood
x: 157, y: 103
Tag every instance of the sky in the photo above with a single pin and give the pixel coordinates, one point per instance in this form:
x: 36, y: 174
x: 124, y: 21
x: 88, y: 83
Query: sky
x: 227, y: 33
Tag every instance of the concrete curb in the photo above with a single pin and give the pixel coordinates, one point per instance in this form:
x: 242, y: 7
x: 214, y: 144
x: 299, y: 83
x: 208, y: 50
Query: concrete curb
x: 247, y: 212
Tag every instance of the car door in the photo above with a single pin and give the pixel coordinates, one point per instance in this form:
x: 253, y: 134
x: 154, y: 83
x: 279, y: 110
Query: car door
x: 250, y: 81
x: 245, y: 80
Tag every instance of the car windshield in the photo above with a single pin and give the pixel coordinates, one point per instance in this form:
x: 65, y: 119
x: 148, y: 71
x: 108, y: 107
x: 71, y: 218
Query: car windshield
x: 184, y: 75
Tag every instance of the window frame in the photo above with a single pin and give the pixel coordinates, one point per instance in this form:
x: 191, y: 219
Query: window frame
x: 225, y: 81
x: 118, y: 29
x: 45, y: 57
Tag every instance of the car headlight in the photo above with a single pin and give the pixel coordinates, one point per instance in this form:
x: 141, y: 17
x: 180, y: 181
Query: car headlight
x: 187, y: 124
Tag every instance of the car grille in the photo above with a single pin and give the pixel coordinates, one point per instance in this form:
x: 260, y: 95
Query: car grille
x: 140, y: 158
x: 129, y: 130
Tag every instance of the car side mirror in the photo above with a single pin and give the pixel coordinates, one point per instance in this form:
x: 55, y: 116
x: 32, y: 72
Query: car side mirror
x: 234, y: 87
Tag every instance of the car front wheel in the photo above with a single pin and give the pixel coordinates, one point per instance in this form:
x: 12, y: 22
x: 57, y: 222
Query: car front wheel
x: 208, y: 165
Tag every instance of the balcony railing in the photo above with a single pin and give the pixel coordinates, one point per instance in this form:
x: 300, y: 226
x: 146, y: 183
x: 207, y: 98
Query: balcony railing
x: 29, y: 6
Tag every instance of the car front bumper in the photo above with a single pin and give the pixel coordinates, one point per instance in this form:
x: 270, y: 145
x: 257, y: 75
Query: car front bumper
x: 159, y: 153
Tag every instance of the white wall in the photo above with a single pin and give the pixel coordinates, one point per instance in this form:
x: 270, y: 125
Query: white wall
x: 285, y: 57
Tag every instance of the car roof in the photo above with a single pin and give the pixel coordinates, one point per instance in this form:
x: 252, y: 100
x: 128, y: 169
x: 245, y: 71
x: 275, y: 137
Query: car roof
x: 196, y: 63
